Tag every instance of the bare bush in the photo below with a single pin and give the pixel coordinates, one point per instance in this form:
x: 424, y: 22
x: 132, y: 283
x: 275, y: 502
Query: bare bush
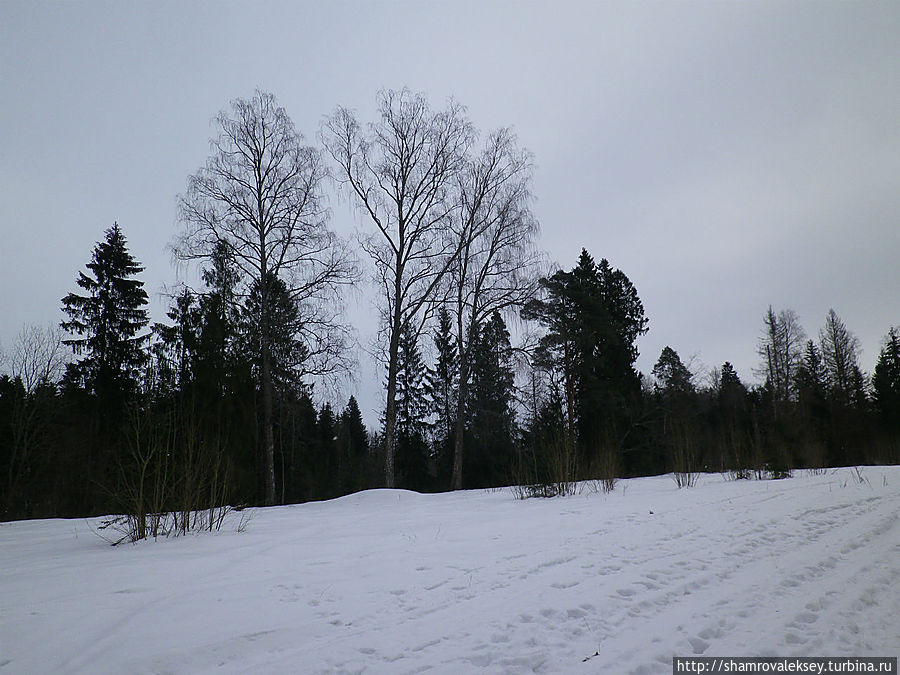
x: 169, y: 482
x: 550, y: 471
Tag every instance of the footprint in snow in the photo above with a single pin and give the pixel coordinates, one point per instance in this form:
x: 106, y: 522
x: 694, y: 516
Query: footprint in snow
x: 794, y: 639
x: 806, y: 617
x: 699, y: 645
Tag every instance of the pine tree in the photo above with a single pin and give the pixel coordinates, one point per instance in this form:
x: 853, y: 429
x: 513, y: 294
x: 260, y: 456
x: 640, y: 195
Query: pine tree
x: 592, y: 316
x: 109, y: 320
x: 556, y: 352
x: 671, y: 374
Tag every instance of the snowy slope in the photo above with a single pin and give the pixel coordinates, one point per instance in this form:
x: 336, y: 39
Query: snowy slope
x: 395, y: 582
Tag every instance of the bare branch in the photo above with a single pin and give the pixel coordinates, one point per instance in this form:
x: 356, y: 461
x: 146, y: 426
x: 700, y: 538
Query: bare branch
x: 403, y: 175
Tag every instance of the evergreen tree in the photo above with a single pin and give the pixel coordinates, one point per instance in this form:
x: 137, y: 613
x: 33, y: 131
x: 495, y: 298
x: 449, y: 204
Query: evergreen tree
x: 327, y: 461
x: 732, y: 391
x: 732, y: 423
x: 178, y: 344
x: 203, y: 370
x: 811, y: 375
x: 592, y: 316
x: 491, y: 420
x: 886, y: 381
x: 302, y: 461
x: 412, y: 411
x: 840, y: 354
x: 848, y: 431
x: 556, y: 352
x: 31, y: 464
x: 281, y: 325
x: 677, y: 410
x: 352, y: 425
x: 812, y: 404
x: 226, y: 395
x: 671, y: 374
x: 354, y: 467
x: 442, y: 390
x: 219, y: 356
x: 108, y: 321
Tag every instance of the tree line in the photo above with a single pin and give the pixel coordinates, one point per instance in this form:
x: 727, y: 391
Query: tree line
x: 171, y: 423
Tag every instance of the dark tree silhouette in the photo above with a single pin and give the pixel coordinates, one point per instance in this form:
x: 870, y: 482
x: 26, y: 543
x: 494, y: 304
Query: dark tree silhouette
x: 108, y: 320
x: 259, y: 198
x: 402, y: 175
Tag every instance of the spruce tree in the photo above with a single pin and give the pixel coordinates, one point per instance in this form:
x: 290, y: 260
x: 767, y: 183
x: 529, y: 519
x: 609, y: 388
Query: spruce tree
x: 442, y: 390
x: 732, y: 391
x: 811, y: 388
x: 220, y: 358
x: 278, y: 329
x: 351, y: 423
x: 733, y: 422
x: 107, y: 323
x: 886, y: 381
x: 108, y: 319
x: 412, y: 411
x: 491, y: 420
x: 327, y: 464
x: 354, y: 470
x: 840, y: 353
x: 176, y: 350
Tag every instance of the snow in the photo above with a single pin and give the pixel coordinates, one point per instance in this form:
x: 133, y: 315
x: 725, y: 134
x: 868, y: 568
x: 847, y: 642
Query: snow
x: 389, y: 581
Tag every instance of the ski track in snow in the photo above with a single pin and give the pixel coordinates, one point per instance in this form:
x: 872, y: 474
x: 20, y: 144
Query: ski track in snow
x: 389, y: 581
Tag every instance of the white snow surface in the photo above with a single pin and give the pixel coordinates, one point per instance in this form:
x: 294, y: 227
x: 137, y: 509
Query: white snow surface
x: 389, y: 581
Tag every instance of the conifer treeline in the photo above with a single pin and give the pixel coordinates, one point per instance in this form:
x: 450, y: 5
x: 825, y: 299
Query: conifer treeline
x: 168, y: 417
x: 215, y: 406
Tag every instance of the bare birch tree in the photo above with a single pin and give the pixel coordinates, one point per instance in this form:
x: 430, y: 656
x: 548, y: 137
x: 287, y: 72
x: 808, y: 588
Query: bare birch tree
x: 402, y: 175
x: 781, y: 350
x: 37, y: 362
x: 495, y: 268
x: 38, y: 356
x: 259, y: 196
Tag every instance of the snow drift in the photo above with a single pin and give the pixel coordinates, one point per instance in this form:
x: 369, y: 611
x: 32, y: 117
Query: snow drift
x: 388, y: 581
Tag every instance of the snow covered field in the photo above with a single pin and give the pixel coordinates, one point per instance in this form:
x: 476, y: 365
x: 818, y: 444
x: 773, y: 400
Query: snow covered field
x: 389, y: 581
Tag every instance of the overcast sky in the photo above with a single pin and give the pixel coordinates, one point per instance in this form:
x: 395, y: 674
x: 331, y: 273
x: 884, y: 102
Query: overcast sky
x: 724, y: 155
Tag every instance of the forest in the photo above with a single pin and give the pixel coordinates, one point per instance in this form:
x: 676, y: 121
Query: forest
x: 220, y: 405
